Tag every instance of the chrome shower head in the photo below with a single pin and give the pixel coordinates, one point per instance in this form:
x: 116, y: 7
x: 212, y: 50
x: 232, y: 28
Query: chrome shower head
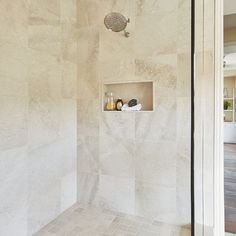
x: 116, y: 22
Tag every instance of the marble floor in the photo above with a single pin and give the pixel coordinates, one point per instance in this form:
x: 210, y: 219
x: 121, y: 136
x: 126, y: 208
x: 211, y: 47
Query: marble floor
x: 93, y: 221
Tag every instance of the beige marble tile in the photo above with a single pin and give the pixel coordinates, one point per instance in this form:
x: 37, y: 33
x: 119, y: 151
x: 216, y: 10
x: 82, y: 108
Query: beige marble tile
x: 88, y: 81
x: 88, y: 154
x: 159, y: 125
x: 13, y: 122
x: 183, y: 205
x: 87, y: 187
x: 15, y: 56
x: 44, y: 124
x: 117, y: 70
x: 69, y: 43
x: 69, y: 80
x: 88, y: 12
x: 117, y: 194
x: 155, y: 202
x: 87, y: 118
x: 14, y: 191
x: 155, y: 163
x: 14, y: 22
x: 117, y: 131
x: 68, y: 11
x: 184, y: 26
x: 46, y: 12
x: 184, y: 75
x: 147, y: 7
x: 161, y: 69
x: 153, y: 39
x: 49, y: 167
x: 88, y: 45
x: 45, y: 38
x: 115, y: 46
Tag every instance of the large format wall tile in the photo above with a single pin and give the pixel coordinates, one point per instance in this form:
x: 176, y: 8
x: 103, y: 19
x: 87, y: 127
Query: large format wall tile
x: 117, y: 193
x: 115, y: 150
x: 38, y: 125
x: 155, y: 163
x: 156, y: 202
x: 13, y: 122
x: 14, y: 191
x: 46, y: 12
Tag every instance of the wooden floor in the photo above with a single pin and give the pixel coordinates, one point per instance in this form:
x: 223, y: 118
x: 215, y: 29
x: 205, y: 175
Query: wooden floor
x: 230, y: 187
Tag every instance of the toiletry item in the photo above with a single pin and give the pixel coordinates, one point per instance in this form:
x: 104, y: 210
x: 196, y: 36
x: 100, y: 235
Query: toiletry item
x: 132, y: 102
x: 126, y: 107
x: 119, y: 104
x: 110, y: 105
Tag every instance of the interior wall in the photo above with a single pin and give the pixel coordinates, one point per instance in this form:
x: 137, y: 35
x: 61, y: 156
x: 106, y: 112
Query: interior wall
x: 230, y: 35
x: 38, y: 113
x: 136, y: 163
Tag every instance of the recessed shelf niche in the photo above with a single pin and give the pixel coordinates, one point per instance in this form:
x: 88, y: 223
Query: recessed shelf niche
x: 143, y: 91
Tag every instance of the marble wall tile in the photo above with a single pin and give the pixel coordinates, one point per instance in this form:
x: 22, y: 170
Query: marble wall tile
x: 69, y: 80
x: 13, y: 197
x: 147, y: 7
x: 87, y: 118
x: 160, y: 125
x: 16, y: 56
x: 88, y: 158
x: 154, y: 162
x: 39, y: 204
x: 69, y: 42
x: 87, y: 187
x: 46, y: 12
x: 161, y: 69
x: 117, y: 70
x: 88, y: 45
x: 45, y: 38
x: 49, y: 167
x: 152, y: 39
x: 117, y: 131
x: 184, y: 75
x: 68, y: 11
x: 88, y: 13
x: 44, y: 124
x: 14, y: 22
x: 115, y: 46
x: 13, y: 122
x: 117, y: 193
x: 156, y: 202
x: 88, y: 81
x: 68, y: 190
x: 184, y: 27
x: 38, y: 130
x: 144, y: 147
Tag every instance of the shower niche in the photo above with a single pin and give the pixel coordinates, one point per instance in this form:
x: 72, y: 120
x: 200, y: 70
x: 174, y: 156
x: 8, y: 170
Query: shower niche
x: 142, y: 91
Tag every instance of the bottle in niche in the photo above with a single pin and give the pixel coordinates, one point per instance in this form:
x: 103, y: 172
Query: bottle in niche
x: 119, y: 104
x: 110, y: 105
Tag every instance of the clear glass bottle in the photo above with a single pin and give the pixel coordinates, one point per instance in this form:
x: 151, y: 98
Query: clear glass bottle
x: 110, y: 104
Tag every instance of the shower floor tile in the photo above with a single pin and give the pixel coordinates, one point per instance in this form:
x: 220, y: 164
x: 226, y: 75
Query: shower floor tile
x: 93, y: 221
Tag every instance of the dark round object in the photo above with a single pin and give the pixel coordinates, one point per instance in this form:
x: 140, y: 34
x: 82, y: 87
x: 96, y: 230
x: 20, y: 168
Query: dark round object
x: 132, y: 102
x: 115, y: 22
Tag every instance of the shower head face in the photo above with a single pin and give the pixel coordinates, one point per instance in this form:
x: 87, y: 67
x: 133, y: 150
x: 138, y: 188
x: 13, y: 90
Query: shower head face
x: 115, y: 21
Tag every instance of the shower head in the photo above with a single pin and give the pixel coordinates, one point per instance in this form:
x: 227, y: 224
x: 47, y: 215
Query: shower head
x: 116, y: 22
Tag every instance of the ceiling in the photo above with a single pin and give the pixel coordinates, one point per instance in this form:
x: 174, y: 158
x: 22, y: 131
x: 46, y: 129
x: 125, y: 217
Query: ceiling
x: 229, y: 7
